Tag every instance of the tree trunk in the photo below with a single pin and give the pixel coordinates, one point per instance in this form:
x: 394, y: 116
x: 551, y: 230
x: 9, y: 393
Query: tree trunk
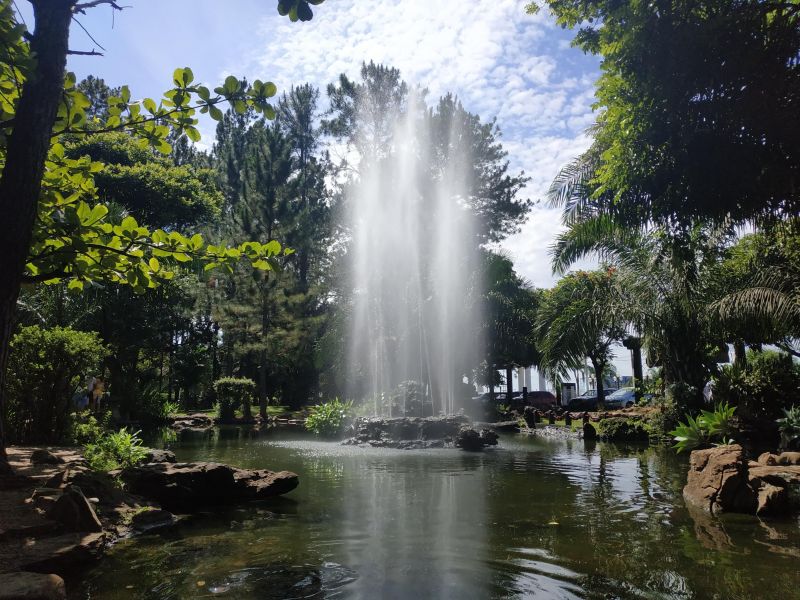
x: 599, y: 367
x: 21, y: 181
x: 509, y: 385
x: 739, y: 354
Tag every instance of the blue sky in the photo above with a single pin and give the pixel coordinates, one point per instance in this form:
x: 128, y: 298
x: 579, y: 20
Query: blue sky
x: 500, y: 61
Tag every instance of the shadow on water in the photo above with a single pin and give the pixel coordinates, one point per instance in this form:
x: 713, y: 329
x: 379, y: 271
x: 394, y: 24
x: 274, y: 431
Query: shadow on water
x: 530, y: 518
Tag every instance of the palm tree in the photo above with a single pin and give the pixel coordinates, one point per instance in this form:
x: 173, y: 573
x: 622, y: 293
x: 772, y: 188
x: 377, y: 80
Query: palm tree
x: 582, y: 316
x: 668, y: 278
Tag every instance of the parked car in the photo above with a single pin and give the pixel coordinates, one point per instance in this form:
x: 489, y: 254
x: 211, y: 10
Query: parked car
x: 621, y: 398
x: 586, y: 401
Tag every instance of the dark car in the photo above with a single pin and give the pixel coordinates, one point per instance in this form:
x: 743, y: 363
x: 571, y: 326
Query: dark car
x: 586, y: 401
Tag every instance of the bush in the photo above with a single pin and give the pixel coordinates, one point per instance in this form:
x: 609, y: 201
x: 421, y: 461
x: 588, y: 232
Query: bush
x: 115, y: 450
x: 86, y: 429
x: 769, y: 384
x: 710, y: 427
x: 329, y: 419
x: 661, y: 422
x: 233, y: 393
x: 618, y: 429
x: 45, y: 368
x: 152, y: 405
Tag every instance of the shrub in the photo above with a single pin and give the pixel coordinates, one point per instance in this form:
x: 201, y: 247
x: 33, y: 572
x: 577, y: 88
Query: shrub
x: 329, y: 419
x: 769, y: 384
x: 231, y: 394
x: 152, y: 405
x: 86, y: 428
x: 618, y: 429
x: 115, y: 450
x: 709, y: 427
x: 789, y: 427
x: 661, y: 422
x: 45, y: 368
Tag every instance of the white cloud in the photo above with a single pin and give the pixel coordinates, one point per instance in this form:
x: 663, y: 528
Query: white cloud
x: 500, y: 61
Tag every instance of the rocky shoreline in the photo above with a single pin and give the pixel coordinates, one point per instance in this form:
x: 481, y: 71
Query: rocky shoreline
x: 64, y: 516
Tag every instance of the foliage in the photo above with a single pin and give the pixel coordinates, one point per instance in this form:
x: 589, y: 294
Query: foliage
x: 115, y: 450
x: 151, y: 188
x: 769, y: 383
x: 789, y: 427
x: 233, y: 393
x: 664, y: 419
x: 46, y: 367
x: 709, y: 427
x: 618, y: 429
x: 329, y: 419
x: 86, y: 428
x: 726, y: 124
x: 509, y: 315
x: 582, y: 316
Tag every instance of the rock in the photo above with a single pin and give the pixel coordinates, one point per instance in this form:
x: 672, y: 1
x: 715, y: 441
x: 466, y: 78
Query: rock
x: 193, y: 421
x: 772, y: 499
x: 188, y: 486
x: 159, y: 456
x: 61, y: 554
x: 31, y: 586
x: 45, y: 498
x: 529, y: 414
x: 99, y: 485
x: 74, y: 511
x: 784, y: 458
x: 718, y: 481
x: 40, y: 456
x: 394, y: 432
x: 473, y: 441
x: 58, y: 480
x: 148, y: 520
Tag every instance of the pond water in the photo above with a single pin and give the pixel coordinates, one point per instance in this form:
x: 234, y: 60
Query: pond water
x: 532, y: 518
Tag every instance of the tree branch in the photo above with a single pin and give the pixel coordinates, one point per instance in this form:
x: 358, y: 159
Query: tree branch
x: 92, y: 52
x: 81, y: 8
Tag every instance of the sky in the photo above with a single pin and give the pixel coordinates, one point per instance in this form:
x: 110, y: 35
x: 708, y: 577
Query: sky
x: 500, y: 62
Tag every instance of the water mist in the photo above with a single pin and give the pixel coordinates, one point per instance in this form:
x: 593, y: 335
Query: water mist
x: 414, y: 327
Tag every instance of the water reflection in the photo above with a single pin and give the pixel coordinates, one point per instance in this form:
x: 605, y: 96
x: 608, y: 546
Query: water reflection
x: 532, y: 518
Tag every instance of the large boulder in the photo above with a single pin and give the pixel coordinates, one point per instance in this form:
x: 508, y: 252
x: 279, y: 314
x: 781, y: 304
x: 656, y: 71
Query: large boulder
x: 74, y: 511
x: 61, y: 554
x: 31, y: 586
x: 718, y: 481
x: 183, y: 487
x: 721, y: 480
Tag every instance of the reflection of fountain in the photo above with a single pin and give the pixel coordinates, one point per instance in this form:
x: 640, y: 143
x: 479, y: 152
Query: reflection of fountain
x: 413, y: 329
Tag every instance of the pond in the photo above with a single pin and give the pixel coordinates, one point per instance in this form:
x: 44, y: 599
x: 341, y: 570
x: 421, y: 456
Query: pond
x: 532, y: 518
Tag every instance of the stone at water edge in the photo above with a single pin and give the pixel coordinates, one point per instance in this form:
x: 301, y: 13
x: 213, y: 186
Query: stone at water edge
x: 472, y: 441
x: 148, y: 520
x: 74, y: 511
x: 187, y: 486
x: 31, y: 586
x: 721, y: 480
x: 159, y: 456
